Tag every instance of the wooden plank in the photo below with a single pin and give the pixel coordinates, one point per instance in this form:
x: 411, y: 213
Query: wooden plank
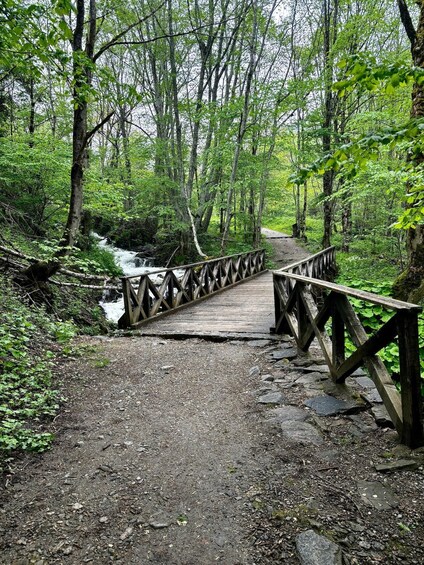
x: 238, y: 295
x: 320, y: 321
x: 285, y: 305
x: 255, y: 252
x: 292, y: 266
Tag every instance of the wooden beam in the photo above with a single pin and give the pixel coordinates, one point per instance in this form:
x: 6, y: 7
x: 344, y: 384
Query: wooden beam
x: 371, y: 346
x: 410, y: 379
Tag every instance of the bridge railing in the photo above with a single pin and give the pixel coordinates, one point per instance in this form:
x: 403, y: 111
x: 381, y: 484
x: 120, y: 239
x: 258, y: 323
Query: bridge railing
x: 318, y: 266
x: 304, y: 305
x: 163, y: 291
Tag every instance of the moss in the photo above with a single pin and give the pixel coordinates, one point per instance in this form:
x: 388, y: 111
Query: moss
x: 409, y: 286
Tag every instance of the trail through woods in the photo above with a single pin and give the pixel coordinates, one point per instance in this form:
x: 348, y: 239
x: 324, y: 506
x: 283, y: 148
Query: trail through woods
x: 174, y: 452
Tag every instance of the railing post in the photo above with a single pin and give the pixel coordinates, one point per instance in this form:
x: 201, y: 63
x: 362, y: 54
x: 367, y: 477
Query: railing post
x: 337, y: 336
x: 171, y: 288
x: 146, y: 301
x: 277, y: 306
x: 126, y: 320
x: 301, y: 315
x: 410, y: 378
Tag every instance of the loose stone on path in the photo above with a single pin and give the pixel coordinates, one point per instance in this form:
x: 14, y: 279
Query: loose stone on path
x: 301, y: 432
x: 271, y: 398
x: 377, y: 495
x: 314, y: 549
x: 400, y: 465
x: 329, y: 406
x: 287, y: 413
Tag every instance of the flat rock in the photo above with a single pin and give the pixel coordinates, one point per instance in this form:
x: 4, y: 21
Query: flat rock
x: 377, y: 495
x: 314, y: 549
x: 359, y: 373
x: 267, y: 378
x: 286, y: 413
x: 266, y: 387
x: 363, y: 422
x: 381, y: 416
x: 325, y: 405
x: 303, y: 362
x: 254, y: 371
x: 372, y: 396
x: 365, y: 382
x: 271, y: 398
x: 288, y: 353
x: 301, y: 432
x: 258, y: 343
x: 309, y: 378
x: 315, y: 368
x: 400, y: 465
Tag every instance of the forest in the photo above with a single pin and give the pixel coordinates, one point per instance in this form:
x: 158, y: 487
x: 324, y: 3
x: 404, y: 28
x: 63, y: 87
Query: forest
x: 183, y: 128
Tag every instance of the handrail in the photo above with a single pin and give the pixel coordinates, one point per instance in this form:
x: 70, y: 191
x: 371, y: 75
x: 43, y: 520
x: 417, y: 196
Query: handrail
x: 304, y: 305
x: 386, y: 301
x: 200, y: 263
x: 193, y: 282
x: 329, y: 251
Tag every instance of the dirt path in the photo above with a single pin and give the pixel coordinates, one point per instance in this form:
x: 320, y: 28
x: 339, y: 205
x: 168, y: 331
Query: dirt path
x: 167, y: 453
x: 286, y: 250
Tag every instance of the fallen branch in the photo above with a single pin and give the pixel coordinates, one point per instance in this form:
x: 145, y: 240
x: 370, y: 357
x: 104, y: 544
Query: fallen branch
x: 11, y: 263
x: 81, y: 276
x: 89, y: 286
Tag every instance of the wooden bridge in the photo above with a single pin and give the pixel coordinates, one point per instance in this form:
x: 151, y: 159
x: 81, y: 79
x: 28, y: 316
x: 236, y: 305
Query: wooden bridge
x: 296, y: 300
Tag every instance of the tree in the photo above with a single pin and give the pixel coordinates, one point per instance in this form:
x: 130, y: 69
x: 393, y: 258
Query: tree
x: 410, y: 284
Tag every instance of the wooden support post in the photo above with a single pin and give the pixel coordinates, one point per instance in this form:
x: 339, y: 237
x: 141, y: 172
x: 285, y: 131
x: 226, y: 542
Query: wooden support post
x: 126, y: 320
x: 301, y: 314
x: 171, y: 288
x: 410, y: 379
x: 281, y: 326
x: 146, y: 302
x: 337, y: 335
x: 277, y: 308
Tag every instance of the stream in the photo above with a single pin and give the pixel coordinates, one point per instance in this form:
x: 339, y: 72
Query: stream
x: 113, y: 303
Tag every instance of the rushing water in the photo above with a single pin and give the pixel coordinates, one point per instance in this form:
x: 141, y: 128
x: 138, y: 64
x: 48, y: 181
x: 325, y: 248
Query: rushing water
x: 113, y: 304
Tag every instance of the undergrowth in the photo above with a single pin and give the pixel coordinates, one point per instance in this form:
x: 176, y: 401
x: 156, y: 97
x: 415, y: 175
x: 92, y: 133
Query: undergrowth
x: 373, y: 316
x: 28, y: 392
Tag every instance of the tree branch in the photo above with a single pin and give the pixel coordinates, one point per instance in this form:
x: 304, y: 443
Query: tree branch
x: 81, y: 276
x: 96, y: 128
x: 115, y: 40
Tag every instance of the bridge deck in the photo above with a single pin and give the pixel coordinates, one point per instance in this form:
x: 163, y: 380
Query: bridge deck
x: 245, y: 311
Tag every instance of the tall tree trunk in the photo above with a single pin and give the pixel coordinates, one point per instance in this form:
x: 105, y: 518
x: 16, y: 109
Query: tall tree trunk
x: 31, y: 125
x: 330, y: 22
x: 82, y: 75
x: 410, y: 285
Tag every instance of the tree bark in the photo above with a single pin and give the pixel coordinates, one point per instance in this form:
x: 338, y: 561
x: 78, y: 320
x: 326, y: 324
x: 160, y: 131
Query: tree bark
x: 330, y: 23
x: 82, y: 76
x: 410, y: 284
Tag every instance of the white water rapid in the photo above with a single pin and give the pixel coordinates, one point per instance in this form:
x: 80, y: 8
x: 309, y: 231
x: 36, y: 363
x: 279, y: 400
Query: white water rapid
x: 131, y: 265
